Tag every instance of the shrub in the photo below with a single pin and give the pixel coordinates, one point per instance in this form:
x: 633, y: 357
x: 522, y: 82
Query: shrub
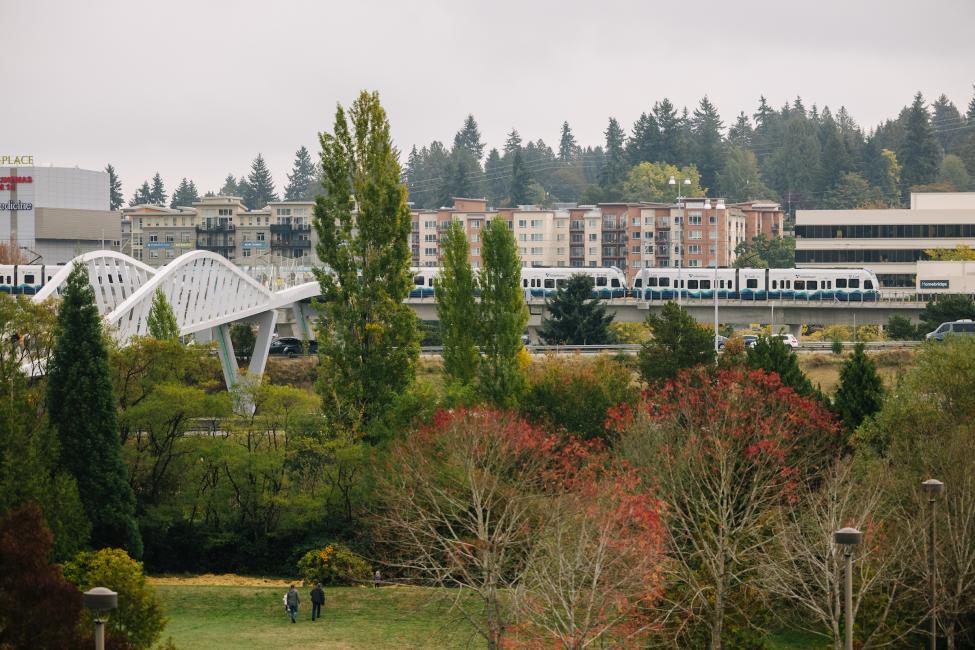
x: 139, y: 617
x: 574, y: 393
x: 900, y: 328
x: 837, y: 346
x: 333, y: 565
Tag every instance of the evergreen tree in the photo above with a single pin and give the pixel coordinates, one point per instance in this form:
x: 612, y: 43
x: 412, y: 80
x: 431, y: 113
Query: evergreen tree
x: 851, y: 191
x: 883, y: 172
x: 495, y: 174
x: 771, y: 354
x: 708, y: 146
x: 568, y: 149
x: 115, y: 198
x: 953, y: 173
x: 502, y: 315
x: 764, y: 115
x: 161, y: 320
x: 740, y: 133
x: 795, y: 162
x: 835, y: 159
x: 469, y: 138
x: 157, y: 195
x: 919, y: 155
x: 456, y: 308
x: 677, y: 342
x: 260, y: 184
x: 575, y: 319
x: 367, y: 343
x: 671, y: 135
x: 520, y: 181
x: 245, y: 192
x: 946, y: 122
x: 82, y: 410
x: 644, y: 143
x: 302, y: 177
x: 142, y: 196
x: 740, y: 179
x: 513, y: 143
x: 230, y: 186
x: 861, y: 392
x: 185, y: 194
x: 614, y: 164
x: 465, y: 174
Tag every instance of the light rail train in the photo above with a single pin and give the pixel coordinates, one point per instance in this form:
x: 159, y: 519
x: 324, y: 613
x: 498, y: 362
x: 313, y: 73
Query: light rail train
x: 849, y: 285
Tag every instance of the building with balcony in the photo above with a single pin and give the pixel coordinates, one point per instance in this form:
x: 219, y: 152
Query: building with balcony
x: 889, y: 242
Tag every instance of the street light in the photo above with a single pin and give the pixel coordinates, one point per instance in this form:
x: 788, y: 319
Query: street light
x: 100, y: 601
x: 680, y: 247
x: 718, y: 206
x: 848, y: 538
x: 933, y: 488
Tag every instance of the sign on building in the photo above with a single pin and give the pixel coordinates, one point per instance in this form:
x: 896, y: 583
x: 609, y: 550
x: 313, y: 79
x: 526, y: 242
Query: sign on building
x: 934, y: 284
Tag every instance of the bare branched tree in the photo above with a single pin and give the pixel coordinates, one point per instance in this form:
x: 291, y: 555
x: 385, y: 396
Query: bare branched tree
x: 802, y: 565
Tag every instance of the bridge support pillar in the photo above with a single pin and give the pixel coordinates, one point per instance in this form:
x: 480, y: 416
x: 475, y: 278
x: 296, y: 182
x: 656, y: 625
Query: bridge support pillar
x: 795, y: 330
x: 265, y: 331
x: 225, y: 350
x: 302, y: 326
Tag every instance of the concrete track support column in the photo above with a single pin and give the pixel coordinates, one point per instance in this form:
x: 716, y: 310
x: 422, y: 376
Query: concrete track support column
x: 265, y: 332
x: 225, y: 350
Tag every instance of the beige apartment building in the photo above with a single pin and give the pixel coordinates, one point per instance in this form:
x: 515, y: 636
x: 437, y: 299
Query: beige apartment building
x: 280, y: 233
x: 629, y: 236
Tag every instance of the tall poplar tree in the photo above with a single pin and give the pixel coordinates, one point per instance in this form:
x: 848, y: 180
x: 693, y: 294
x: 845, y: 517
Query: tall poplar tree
x: 115, y: 198
x: 302, y: 179
x: 261, y: 185
x: 502, y: 315
x: 367, y: 338
x: 161, y: 320
x: 456, y: 307
x: 918, y: 154
x: 81, y: 407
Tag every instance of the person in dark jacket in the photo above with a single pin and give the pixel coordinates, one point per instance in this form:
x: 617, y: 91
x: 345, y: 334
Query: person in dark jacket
x: 293, y: 600
x: 317, y: 600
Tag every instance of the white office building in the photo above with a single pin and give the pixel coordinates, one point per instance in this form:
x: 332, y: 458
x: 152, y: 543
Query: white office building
x: 55, y: 213
x: 889, y: 242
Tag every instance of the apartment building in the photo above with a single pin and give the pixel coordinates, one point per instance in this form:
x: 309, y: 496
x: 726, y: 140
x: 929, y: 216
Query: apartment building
x: 889, y: 242
x: 629, y: 236
x: 280, y: 233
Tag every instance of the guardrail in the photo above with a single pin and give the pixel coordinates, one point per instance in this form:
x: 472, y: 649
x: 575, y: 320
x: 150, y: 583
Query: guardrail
x: 632, y: 348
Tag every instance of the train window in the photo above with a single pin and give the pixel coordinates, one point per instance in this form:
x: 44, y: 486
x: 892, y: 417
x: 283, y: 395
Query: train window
x: 524, y: 283
x: 751, y: 283
x: 418, y: 281
x: 775, y: 284
x: 638, y: 283
x: 799, y: 284
x: 601, y: 281
x: 827, y: 284
x: 811, y: 285
x: 854, y: 283
x: 615, y: 283
x: 549, y: 283
x: 652, y: 282
x: 29, y: 278
x: 705, y: 284
x: 430, y: 282
x: 664, y: 282
x: 841, y: 283
x: 868, y: 284
x: 692, y: 284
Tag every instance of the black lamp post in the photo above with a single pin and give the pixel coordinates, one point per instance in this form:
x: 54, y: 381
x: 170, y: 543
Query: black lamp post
x: 848, y: 538
x: 100, y: 601
x: 933, y: 488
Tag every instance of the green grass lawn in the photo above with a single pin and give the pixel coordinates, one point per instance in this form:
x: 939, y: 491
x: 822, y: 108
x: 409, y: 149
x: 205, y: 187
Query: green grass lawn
x: 241, y: 617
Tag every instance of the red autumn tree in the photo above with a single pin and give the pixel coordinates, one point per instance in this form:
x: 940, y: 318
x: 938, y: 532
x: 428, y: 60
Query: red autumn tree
x: 595, y: 567
x: 461, y: 504
x: 38, y: 607
x: 724, y: 449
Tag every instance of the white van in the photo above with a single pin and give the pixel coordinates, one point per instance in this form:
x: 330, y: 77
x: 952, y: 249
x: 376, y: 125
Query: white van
x: 964, y: 327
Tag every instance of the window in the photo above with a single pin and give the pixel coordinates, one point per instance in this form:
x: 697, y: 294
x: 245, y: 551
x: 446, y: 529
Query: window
x: 868, y: 284
x: 549, y: 283
x: 694, y: 234
x: 522, y: 223
x: 664, y: 282
x: 855, y: 283
x: 475, y: 251
x: 692, y: 284
x: 153, y: 237
x: 537, y: 223
x: 811, y: 285
x: 694, y: 262
x: 635, y: 221
x: 800, y: 285
x: 648, y: 234
x: 560, y: 237
x: 537, y: 236
x: 593, y: 236
x: 260, y: 236
x: 522, y: 237
x: 475, y: 224
x: 577, y: 224
x: 592, y: 223
x: 429, y: 238
x: 712, y: 220
x: 225, y: 212
x: 635, y: 249
x: 537, y: 250
x: 601, y: 281
x: 751, y: 283
x: 694, y: 220
x: 429, y: 224
x: 705, y: 284
x: 429, y: 251
x: 694, y: 249
x: 841, y: 283
x: 615, y: 283
x: 635, y: 235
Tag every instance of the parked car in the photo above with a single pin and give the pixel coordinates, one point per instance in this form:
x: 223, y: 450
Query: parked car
x: 964, y: 327
x: 291, y: 347
x: 788, y: 339
x: 750, y: 340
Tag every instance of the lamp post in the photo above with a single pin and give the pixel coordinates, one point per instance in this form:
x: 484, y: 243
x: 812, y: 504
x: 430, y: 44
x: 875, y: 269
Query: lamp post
x: 100, y: 601
x: 718, y: 206
x: 680, y: 247
x: 848, y: 538
x: 933, y: 488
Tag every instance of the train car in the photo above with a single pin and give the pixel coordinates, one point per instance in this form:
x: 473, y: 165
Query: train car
x: 857, y: 285
x: 25, y: 279
x: 538, y: 282
x: 542, y: 282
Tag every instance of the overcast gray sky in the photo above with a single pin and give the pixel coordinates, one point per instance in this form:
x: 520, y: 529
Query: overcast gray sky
x: 197, y: 88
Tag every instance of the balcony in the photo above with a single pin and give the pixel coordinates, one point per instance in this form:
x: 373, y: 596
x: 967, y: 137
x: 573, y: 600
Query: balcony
x: 287, y: 228
x: 211, y: 227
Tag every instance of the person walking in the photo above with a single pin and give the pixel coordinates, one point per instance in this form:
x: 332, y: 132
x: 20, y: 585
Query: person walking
x: 377, y: 578
x: 317, y: 600
x: 293, y: 600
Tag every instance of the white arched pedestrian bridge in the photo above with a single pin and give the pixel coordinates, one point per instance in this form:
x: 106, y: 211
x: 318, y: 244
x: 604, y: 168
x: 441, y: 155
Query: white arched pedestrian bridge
x: 207, y: 293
